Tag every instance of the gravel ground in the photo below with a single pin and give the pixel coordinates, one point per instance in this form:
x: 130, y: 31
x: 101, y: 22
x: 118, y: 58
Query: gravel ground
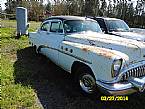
x: 54, y: 87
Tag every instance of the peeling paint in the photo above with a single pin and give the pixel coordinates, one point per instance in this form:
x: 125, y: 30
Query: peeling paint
x: 134, y: 49
x: 101, y: 52
x: 85, y: 49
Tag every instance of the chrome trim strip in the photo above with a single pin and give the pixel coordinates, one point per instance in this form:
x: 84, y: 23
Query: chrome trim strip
x: 79, y: 58
x: 135, y: 72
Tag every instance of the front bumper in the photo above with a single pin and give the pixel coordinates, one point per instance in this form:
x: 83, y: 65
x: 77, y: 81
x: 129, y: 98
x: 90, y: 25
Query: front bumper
x: 123, y: 88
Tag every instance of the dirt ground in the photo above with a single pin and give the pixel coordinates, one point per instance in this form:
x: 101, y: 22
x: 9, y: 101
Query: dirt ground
x: 56, y: 90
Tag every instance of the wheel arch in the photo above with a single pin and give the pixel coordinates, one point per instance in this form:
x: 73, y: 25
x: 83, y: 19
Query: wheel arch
x: 77, y: 64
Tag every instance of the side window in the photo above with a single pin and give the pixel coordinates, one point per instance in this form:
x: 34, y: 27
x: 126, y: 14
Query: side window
x: 56, y: 27
x: 45, y: 26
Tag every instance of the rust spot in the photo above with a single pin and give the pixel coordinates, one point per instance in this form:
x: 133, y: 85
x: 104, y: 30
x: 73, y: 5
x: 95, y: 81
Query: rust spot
x: 105, y: 53
x: 85, y: 49
x: 100, y: 51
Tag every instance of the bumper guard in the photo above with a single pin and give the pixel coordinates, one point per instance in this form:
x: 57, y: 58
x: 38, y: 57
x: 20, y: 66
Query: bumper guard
x: 123, y: 88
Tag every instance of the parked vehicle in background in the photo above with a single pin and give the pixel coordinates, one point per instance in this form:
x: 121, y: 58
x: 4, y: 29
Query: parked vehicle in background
x: 113, y: 64
x: 118, y: 27
x: 138, y: 30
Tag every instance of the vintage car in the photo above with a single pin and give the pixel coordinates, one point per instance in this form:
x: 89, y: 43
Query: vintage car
x: 118, y: 27
x: 110, y: 63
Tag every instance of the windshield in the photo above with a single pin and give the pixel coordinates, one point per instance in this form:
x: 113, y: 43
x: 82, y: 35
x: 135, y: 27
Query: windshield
x: 75, y: 26
x: 117, y: 26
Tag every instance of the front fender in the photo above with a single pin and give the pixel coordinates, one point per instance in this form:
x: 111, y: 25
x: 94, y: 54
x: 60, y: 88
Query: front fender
x: 99, y: 59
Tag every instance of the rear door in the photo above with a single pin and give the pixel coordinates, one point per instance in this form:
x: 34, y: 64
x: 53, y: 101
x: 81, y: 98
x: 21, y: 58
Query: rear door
x: 51, y: 39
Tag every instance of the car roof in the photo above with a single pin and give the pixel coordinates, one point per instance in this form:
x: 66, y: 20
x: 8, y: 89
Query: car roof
x: 107, y: 18
x: 68, y: 18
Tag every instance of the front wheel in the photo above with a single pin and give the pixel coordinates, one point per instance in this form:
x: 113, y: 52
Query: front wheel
x: 86, y: 80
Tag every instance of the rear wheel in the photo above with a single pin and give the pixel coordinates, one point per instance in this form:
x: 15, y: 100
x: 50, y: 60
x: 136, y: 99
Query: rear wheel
x: 85, y: 80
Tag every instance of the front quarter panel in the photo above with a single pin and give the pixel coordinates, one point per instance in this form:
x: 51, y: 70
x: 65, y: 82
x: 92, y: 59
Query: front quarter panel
x: 98, y: 59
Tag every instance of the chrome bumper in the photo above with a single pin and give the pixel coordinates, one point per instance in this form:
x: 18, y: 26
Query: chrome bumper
x: 123, y: 88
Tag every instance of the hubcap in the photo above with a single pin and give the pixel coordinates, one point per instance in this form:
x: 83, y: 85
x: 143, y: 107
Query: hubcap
x: 87, y: 83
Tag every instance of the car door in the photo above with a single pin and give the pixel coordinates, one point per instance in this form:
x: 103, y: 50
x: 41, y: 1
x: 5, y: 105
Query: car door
x: 37, y: 37
x: 52, y: 39
x: 41, y: 37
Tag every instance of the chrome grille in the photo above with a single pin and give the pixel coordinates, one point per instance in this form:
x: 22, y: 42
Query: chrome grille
x: 135, y: 72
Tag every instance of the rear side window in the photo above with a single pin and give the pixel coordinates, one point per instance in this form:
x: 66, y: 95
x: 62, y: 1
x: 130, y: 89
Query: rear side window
x: 56, y: 27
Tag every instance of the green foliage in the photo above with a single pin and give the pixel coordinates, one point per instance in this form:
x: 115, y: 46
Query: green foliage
x: 35, y: 8
x: 14, y: 95
x: 48, y: 7
x: 122, y: 9
x: 11, y: 24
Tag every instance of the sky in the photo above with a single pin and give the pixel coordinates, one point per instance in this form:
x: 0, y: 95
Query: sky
x: 2, y: 2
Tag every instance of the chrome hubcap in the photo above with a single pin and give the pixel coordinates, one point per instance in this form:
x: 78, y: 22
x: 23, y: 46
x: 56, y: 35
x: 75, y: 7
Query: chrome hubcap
x: 87, y: 83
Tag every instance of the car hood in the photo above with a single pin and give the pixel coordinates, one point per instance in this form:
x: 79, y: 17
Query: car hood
x: 134, y: 49
x: 130, y: 35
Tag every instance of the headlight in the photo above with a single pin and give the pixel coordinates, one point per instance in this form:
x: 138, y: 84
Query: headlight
x: 116, y: 67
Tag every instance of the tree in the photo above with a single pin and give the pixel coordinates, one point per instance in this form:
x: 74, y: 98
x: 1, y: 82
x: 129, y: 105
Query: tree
x: 139, y: 10
x: 35, y: 8
x: 11, y: 6
x: 102, y: 10
x: 91, y: 7
x: 123, y: 9
x: 0, y: 8
x: 129, y: 14
x: 110, y: 9
x: 140, y: 7
x: 48, y: 6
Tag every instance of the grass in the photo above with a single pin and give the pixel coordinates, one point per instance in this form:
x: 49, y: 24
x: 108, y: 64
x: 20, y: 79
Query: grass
x: 12, y: 24
x: 13, y: 95
x: 8, y: 23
